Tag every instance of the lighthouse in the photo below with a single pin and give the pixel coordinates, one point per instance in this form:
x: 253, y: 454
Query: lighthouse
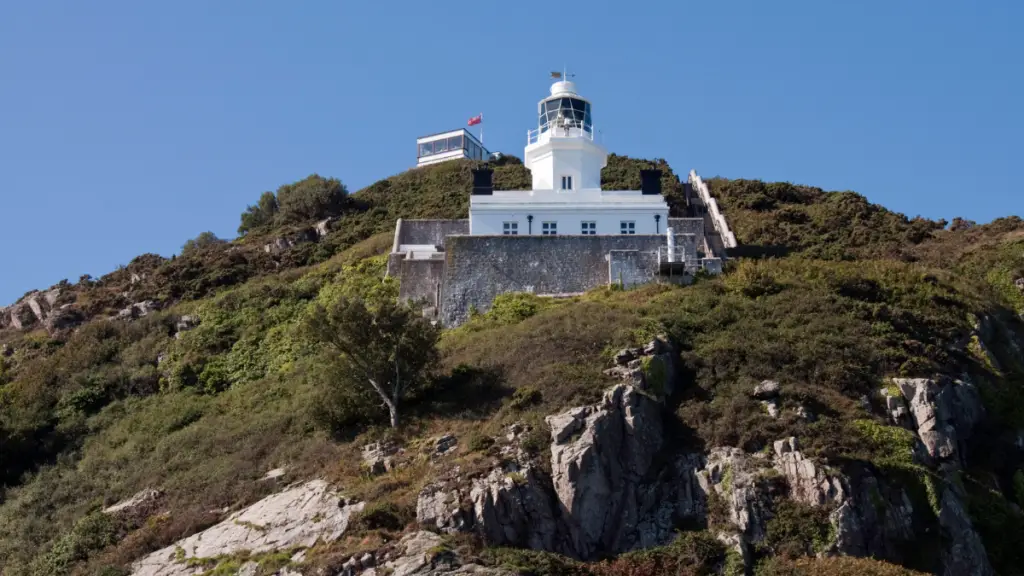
x: 566, y: 196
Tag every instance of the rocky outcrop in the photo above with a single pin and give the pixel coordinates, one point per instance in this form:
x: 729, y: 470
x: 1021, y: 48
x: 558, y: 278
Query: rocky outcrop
x: 808, y: 483
x: 943, y: 412
x: 767, y: 392
x: 513, y: 506
x: 963, y: 554
x: 423, y: 554
x: 141, y: 505
x: 34, y: 308
x: 378, y: 457
x: 653, y: 369
x: 324, y: 227
x: 599, y: 455
x: 295, y: 518
x: 737, y: 479
x: 138, y: 310
x: 282, y: 243
x: 1019, y: 283
x: 184, y: 324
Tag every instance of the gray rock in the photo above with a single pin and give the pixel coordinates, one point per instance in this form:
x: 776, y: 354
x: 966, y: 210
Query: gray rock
x: 805, y: 414
x: 324, y: 227
x: 771, y: 407
x: 597, y: 471
x: 421, y: 554
x: 943, y: 412
x: 514, y: 507
x: 734, y: 477
x: 808, y: 483
x: 440, y: 505
x: 21, y: 316
x: 626, y: 355
x: 895, y: 406
x: 138, y: 310
x: 377, y: 457
x: 445, y: 444
x: 767, y: 390
x: 963, y: 554
x: 141, y: 504
x: 6, y: 350
x: 1019, y: 283
x: 63, y: 318
x: 186, y: 323
x: 295, y: 518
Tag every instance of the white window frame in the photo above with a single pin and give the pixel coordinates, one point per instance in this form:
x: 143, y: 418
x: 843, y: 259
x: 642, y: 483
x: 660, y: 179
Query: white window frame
x: 627, y: 227
x: 510, y: 228
x: 588, y: 228
x: 549, y: 228
x: 566, y: 182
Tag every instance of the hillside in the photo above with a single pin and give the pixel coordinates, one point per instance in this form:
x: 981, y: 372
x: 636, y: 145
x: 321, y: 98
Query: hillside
x: 206, y: 380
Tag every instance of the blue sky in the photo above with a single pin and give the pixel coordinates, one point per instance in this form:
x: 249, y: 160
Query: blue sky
x: 129, y: 127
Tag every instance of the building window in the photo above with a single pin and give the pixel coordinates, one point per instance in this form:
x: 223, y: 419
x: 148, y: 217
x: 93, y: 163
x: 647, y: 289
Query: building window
x: 627, y: 227
x: 549, y: 228
x: 426, y: 149
x: 455, y: 142
x: 588, y: 228
x: 566, y: 182
x: 510, y: 228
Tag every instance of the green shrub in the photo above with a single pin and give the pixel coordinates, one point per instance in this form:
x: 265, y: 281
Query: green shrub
x: 383, y: 516
x: 89, y: 535
x: 798, y: 530
x: 526, y: 397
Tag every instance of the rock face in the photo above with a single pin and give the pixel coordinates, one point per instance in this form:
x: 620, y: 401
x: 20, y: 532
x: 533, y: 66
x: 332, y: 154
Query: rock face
x: 735, y: 478
x: 943, y: 412
x: 605, y: 493
x: 964, y: 554
x: 295, y: 518
x: 599, y: 455
x: 378, y: 457
x: 33, y: 308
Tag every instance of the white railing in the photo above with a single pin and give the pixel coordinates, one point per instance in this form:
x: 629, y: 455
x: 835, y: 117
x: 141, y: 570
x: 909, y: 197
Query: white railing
x: 533, y: 136
x: 676, y: 255
x: 717, y: 219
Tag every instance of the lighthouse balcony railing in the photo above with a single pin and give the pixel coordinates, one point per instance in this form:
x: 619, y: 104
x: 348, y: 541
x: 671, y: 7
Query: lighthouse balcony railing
x: 545, y: 132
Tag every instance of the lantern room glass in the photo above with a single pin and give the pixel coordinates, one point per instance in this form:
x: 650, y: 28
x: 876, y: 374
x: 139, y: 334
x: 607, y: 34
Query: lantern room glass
x: 575, y: 113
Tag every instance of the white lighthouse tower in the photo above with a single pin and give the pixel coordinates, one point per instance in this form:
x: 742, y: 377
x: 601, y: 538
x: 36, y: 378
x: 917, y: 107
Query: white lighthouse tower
x: 561, y: 152
x: 566, y: 197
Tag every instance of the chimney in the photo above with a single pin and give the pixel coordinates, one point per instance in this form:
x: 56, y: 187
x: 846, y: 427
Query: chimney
x: 650, y: 181
x: 482, y: 184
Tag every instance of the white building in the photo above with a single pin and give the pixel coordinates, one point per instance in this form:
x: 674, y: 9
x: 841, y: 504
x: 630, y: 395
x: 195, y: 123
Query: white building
x: 450, y: 145
x: 566, y: 196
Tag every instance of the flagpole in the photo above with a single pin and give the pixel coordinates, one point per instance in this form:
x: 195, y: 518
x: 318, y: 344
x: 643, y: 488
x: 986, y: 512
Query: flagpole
x: 481, y: 128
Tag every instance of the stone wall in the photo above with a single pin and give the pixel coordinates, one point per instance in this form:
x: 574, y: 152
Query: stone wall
x: 427, y: 231
x: 421, y: 280
x: 693, y: 226
x: 478, y: 268
x: 630, y: 268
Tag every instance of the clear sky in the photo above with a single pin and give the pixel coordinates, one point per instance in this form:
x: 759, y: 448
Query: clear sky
x: 129, y: 127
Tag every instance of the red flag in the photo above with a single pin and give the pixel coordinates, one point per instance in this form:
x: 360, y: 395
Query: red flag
x: 476, y: 120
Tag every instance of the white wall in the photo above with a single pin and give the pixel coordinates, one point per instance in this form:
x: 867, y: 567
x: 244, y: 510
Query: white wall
x: 445, y: 156
x: 553, y: 158
x: 486, y: 222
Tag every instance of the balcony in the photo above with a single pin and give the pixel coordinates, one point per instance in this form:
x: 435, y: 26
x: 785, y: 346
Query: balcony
x: 545, y: 133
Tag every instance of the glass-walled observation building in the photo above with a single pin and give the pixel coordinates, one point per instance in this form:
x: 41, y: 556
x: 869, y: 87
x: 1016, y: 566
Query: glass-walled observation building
x: 449, y: 146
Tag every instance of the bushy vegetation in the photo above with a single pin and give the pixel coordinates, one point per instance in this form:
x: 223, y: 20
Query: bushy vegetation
x: 837, y: 296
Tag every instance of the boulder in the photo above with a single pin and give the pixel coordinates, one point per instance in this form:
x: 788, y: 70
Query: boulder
x: 138, y: 310
x: 1019, y: 283
x: 653, y: 368
x: 324, y: 227
x: 141, y: 505
x: 771, y: 407
x: 295, y: 518
x: 766, y: 390
x: 377, y: 457
x: 445, y: 444
x: 185, y: 323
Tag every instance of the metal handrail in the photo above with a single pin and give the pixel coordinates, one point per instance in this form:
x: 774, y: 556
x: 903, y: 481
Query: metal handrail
x: 533, y: 136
